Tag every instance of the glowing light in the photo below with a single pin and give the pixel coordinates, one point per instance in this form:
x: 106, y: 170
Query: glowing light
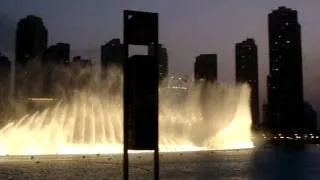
x: 91, y: 123
x: 41, y: 99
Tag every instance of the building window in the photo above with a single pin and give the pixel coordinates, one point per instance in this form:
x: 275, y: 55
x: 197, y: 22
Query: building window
x: 276, y: 42
x: 287, y: 24
x: 288, y: 42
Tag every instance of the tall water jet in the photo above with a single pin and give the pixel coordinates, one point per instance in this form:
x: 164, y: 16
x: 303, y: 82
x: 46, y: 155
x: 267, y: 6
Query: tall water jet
x: 192, y: 117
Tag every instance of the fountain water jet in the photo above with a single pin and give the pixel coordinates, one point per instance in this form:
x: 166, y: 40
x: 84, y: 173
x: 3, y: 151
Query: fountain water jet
x: 198, y: 117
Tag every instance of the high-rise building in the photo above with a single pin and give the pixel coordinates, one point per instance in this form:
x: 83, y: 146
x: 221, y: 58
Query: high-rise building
x: 82, y: 70
x: 310, y: 117
x: 206, y: 68
x: 58, y: 53
x: 163, y: 60
x: 54, y: 59
x: 31, y: 42
x: 5, y: 71
x: 247, y: 72
x: 31, y: 38
x: 112, y: 53
x: 5, y: 86
x: 285, y: 83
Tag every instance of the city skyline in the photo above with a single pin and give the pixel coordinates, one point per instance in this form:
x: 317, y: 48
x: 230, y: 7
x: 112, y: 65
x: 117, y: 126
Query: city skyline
x: 249, y: 19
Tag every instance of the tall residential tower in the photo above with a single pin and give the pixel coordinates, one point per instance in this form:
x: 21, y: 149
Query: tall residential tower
x: 285, y: 82
x: 247, y: 72
x: 206, y: 68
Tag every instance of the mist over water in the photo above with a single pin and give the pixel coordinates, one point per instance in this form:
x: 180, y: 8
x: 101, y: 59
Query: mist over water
x: 88, y: 119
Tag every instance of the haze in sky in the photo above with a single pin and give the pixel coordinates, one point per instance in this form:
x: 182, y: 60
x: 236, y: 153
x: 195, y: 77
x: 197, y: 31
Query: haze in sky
x: 187, y: 28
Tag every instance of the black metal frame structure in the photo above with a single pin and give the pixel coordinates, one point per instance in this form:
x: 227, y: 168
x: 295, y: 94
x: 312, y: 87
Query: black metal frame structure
x: 139, y: 28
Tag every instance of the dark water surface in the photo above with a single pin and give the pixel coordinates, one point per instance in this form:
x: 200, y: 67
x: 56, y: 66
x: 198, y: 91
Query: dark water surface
x: 267, y: 163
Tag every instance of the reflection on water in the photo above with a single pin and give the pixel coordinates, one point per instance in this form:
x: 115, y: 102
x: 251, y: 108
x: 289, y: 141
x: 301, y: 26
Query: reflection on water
x: 284, y: 162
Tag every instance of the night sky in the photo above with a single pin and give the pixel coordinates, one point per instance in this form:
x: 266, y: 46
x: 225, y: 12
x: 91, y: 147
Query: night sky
x: 187, y: 28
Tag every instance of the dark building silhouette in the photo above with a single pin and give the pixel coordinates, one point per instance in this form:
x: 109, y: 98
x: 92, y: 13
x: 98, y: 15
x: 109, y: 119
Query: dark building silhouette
x: 76, y: 59
x: 206, y: 68
x: 310, y: 117
x: 265, y: 115
x: 81, y: 72
x: 5, y: 71
x: 112, y: 53
x: 54, y: 59
x: 31, y: 38
x: 247, y: 72
x: 58, y: 54
x: 163, y: 60
x: 80, y: 62
x: 31, y: 42
x: 285, y: 86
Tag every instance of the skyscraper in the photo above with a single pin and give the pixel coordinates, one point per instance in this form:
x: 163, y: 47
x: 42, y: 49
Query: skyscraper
x: 5, y: 85
x: 31, y: 42
x: 54, y: 59
x: 206, y: 68
x: 58, y: 53
x: 112, y: 53
x: 163, y: 60
x: 247, y: 72
x: 285, y: 83
x: 31, y: 38
x: 5, y: 71
x: 310, y: 117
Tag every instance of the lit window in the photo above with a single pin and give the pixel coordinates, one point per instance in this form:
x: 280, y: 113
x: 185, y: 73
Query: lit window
x: 276, y: 42
x: 286, y: 24
x: 288, y: 42
x: 279, y: 36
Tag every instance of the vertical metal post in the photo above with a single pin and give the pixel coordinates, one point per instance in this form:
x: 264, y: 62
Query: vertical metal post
x: 156, y: 150
x: 125, y: 104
